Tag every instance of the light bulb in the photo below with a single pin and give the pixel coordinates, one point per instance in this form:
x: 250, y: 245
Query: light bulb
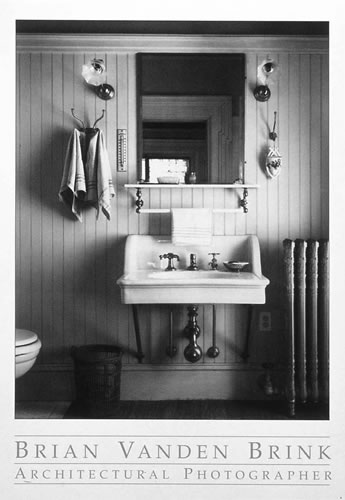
x: 94, y: 72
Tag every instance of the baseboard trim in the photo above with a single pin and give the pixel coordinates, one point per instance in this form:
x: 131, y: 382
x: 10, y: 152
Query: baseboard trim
x: 237, y: 381
x: 68, y: 367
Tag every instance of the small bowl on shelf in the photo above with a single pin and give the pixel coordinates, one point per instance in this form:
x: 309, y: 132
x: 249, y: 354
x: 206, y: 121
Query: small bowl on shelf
x: 235, y: 266
x: 168, y: 180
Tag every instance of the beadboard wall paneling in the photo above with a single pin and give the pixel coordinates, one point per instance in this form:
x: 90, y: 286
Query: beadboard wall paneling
x: 66, y: 271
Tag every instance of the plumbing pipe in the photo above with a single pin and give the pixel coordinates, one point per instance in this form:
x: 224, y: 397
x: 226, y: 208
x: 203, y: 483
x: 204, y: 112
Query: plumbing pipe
x: 213, y: 351
x: 171, y: 349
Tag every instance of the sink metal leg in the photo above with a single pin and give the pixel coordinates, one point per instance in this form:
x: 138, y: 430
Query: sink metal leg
x: 140, y: 354
x: 245, y: 354
x: 192, y: 352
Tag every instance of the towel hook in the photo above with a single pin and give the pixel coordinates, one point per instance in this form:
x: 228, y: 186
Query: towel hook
x: 100, y: 118
x: 273, y: 135
x: 79, y: 120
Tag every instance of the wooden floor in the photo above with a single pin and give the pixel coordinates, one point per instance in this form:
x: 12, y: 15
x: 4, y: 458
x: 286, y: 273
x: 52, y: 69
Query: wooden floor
x: 41, y: 409
x: 196, y: 410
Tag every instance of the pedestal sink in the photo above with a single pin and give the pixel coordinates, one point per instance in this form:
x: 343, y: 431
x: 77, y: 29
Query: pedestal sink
x: 146, y: 281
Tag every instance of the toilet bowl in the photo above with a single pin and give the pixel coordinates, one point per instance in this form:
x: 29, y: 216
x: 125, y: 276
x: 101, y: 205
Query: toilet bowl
x: 28, y: 346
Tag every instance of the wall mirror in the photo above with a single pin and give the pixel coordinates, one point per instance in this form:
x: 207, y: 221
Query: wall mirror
x: 190, y: 117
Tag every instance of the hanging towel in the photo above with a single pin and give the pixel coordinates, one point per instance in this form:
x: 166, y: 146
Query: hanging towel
x: 73, y: 186
x: 87, y: 168
x: 99, y: 184
x: 105, y: 187
x: 191, y: 226
x: 90, y: 163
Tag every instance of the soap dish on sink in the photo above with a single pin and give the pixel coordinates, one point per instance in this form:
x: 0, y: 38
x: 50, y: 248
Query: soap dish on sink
x: 168, y: 179
x: 235, y: 265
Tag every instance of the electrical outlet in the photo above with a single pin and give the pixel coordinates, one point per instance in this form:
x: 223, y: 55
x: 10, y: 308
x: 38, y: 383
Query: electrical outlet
x: 265, y: 321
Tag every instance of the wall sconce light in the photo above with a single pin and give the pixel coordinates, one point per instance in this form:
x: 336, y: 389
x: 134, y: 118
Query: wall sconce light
x: 94, y: 74
x: 273, y: 159
x: 268, y: 72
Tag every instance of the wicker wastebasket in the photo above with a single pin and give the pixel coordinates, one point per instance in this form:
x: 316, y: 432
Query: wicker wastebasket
x: 97, y: 372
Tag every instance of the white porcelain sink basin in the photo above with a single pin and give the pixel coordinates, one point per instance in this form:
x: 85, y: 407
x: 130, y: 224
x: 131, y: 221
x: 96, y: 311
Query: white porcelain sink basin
x: 188, y: 275
x: 145, y: 280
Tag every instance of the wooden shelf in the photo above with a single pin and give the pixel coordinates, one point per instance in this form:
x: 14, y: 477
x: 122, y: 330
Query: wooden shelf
x: 243, y: 205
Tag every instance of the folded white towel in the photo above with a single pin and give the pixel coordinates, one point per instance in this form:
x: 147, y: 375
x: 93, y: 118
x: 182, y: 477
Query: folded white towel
x: 73, y: 186
x: 191, y: 226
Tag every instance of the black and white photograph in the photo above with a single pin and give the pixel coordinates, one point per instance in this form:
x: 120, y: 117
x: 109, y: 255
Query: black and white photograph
x: 172, y: 220
x: 172, y: 234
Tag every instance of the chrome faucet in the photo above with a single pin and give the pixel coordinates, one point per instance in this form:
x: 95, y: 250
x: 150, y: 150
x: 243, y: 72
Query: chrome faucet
x: 213, y: 263
x: 193, y: 266
x: 170, y: 256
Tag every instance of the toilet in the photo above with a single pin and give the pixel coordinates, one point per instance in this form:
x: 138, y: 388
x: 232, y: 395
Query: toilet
x: 28, y: 346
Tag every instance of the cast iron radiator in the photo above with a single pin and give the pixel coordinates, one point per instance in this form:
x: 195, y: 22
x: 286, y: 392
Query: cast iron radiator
x: 306, y: 272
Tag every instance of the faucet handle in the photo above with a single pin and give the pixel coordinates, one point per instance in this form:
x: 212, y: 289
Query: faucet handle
x: 170, y: 256
x: 213, y: 263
